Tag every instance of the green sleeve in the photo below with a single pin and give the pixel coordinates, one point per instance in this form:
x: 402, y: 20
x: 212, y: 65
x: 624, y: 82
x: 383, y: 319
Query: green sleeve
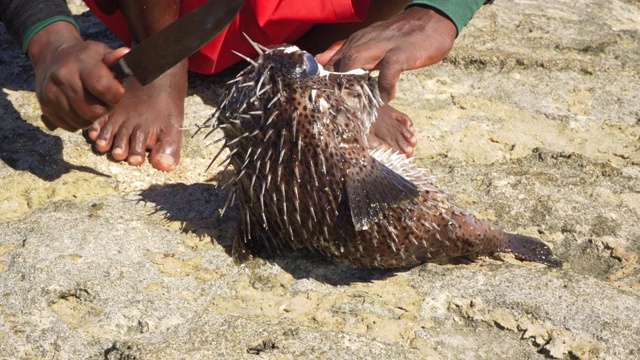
x: 459, y: 11
x: 41, y: 25
x: 23, y: 19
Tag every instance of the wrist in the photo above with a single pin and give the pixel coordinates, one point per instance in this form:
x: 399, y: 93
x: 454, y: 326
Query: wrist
x: 50, y: 38
x: 435, y: 19
x: 458, y: 12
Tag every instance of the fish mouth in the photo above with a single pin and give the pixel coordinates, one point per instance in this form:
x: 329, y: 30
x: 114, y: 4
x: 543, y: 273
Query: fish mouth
x: 324, y: 72
x: 321, y: 70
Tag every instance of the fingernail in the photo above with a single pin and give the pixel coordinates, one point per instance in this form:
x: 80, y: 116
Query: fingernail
x: 167, y: 160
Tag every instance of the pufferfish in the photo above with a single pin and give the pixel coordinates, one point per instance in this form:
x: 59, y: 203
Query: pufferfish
x: 305, y: 177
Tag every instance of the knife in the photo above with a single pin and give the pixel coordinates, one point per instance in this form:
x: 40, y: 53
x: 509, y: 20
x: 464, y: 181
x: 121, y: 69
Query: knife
x: 176, y: 42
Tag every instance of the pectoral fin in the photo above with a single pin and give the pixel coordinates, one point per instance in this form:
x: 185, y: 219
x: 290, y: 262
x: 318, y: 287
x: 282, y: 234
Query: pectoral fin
x: 372, y: 189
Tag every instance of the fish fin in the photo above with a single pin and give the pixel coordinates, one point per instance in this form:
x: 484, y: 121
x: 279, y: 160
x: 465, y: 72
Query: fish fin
x: 400, y: 163
x: 528, y: 248
x: 372, y: 191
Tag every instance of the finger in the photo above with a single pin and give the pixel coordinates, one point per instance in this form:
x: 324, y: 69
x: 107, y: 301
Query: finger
x: 67, y: 92
x: 101, y: 88
x: 390, y: 69
x: 59, y: 112
x: 86, y: 107
x: 72, y: 119
x: 111, y: 57
x: 325, y: 57
x: 45, y: 95
x: 48, y: 123
x: 100, y: 82
x: 359, y: 57
x: 53, y: 121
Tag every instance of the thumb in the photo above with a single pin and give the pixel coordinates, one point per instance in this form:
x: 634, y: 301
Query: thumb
x: 326, y: 58
x: 111, y: 57
x: 387, y: 81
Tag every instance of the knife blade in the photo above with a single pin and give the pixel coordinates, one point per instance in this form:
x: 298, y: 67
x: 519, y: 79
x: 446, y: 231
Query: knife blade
x: 177, y: 41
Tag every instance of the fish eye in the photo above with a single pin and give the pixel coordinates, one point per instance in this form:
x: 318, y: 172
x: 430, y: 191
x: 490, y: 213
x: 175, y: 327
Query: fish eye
x: 310, y: 64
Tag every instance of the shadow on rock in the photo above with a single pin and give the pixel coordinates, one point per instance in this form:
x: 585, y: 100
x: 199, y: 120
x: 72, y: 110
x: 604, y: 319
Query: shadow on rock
x: 305, y: 264
x: 198, y: 207
x: 25, y: 147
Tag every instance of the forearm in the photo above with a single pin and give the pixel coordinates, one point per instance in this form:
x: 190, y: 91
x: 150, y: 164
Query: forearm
x: 23, y: 19
x: 459, y: 12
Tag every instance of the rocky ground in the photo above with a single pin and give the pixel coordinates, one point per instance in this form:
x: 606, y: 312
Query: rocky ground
x: 532, y: 121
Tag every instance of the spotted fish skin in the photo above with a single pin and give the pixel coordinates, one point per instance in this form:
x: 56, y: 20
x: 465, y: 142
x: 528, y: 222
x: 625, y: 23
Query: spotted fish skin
x: 305, y: 178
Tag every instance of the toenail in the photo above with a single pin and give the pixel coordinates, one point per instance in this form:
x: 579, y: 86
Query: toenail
x: 135, y: 159
x: 166, y: 160
x: 101, y: 142
x: 117, y: 151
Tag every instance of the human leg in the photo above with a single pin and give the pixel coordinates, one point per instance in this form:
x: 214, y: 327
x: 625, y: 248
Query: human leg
x: 149, y: 117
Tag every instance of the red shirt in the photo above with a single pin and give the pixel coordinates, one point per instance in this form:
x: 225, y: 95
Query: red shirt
x: 267, y: 22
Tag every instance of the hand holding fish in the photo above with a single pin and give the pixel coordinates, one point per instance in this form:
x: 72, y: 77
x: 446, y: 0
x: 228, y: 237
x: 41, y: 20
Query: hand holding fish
x: 416, y: 38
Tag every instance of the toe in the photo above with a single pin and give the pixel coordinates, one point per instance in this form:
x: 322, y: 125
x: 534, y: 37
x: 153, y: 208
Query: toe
x: 165, y: 162
x: 375, y: 142
x: 407, y: 142
x: 120, y: 147
x: 405, y: 124
x: 165, y: 155
x: 104, y: 138
x: 137, y: 146
x: 409, y: 137
x: 94, y: 130
x: 402, y: 118
x: 407, y: 150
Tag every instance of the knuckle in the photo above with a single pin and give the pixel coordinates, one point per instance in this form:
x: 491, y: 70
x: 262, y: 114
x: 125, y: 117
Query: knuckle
x: 350, y: 53
x: 385, y: 83
x: 393, y: 60
x: 102, y: 87
x: 61, y: 74
x: 47, y: 93
x: 349, y: 58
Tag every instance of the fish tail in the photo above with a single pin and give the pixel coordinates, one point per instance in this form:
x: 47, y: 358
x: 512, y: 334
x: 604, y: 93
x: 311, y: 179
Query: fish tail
x: 528, y: 248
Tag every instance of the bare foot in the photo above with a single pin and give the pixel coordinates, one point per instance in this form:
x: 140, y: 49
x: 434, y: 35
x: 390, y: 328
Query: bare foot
x: 147, y: 118
x: 393, y: 129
